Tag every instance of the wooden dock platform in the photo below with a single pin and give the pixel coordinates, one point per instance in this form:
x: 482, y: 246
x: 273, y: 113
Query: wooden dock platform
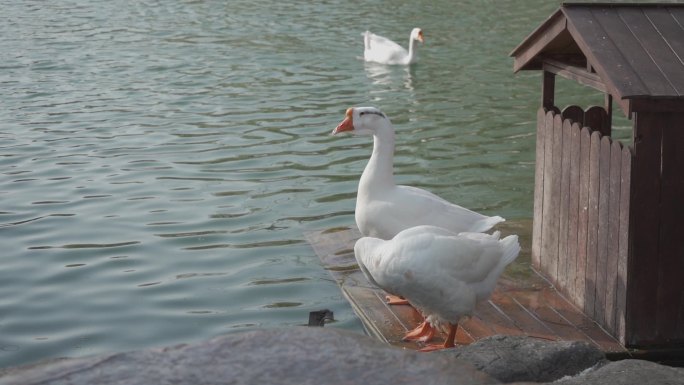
x: 523, y: 303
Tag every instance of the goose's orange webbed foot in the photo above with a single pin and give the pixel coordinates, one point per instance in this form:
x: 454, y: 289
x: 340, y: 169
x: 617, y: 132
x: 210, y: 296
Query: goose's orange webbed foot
x: 448, y: 343
x: 423, y: 333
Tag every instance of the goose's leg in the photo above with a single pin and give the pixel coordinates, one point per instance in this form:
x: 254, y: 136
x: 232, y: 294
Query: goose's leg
x: 423, y: 333
x: 448, y: 343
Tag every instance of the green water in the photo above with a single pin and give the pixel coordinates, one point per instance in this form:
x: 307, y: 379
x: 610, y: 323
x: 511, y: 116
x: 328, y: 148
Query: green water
x: 159, y: 161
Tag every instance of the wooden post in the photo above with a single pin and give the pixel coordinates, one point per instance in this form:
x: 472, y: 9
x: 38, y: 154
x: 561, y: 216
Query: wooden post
x: 548, y: 90
x: 642, y: 305
x: 608, y: 105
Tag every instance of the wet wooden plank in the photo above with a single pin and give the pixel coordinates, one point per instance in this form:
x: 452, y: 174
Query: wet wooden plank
x: 496, y: 319
x: 564, y: 206
x: 388, y: 324
x: 573, y: 212
x: 477, y: 328
x: 592, y: 224
x: 602, y: 232
x: 613, y: 247
x: 519, y: 306
x: 623, y: 254
x: 583, y: 217
x: 594, y: 334
x: 521, y: 317
x: 552, y: 193
x: 549, y: 226
x: 334, y: 246
x: 538, y: 303
x: 538, y: 186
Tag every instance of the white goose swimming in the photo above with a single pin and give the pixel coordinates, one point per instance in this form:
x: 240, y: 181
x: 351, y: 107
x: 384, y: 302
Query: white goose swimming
x: 442, y: 274
x: 383, y: 209
x: 382, y: 50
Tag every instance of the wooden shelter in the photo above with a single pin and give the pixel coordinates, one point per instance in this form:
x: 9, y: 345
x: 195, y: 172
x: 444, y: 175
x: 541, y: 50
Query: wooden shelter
x: 608, y: 226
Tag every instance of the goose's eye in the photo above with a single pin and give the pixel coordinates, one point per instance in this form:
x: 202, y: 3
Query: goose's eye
x: 372, y: 112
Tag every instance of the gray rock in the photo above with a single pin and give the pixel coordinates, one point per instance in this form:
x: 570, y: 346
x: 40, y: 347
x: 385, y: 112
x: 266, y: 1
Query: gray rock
x: 280, y: 356
x: 516, y: 358
x: 628, y: 372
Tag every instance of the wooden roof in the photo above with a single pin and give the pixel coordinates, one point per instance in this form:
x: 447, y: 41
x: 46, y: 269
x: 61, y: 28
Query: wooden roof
x: 635, y: 52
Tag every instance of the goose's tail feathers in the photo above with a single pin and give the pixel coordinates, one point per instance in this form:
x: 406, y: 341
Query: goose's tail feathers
x: 511, y: 249
x: 487, y: 223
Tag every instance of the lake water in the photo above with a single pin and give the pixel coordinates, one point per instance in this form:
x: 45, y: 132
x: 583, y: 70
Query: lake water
x: 160, y: 161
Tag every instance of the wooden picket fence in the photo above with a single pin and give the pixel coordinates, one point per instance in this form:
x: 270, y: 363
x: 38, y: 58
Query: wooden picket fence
x: 580, y: 238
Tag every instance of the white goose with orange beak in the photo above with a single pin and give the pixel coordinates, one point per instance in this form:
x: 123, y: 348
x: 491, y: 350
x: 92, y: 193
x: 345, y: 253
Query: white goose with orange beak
x: 442, y: 274
x: 383, y: 209
x: 379, y: 49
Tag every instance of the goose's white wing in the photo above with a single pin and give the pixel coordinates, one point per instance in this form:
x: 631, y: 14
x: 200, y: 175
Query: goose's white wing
x: 441, y: 273
x: 380, y: 49
x: 404, y: 207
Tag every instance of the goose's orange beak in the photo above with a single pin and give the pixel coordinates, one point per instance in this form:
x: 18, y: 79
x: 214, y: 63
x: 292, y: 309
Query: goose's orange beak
x: 347, y: 124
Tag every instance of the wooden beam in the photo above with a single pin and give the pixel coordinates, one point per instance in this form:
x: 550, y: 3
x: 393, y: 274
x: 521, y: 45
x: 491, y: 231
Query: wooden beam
x: 656, y: 104
x: 572, y: 72
x: 592, y: 79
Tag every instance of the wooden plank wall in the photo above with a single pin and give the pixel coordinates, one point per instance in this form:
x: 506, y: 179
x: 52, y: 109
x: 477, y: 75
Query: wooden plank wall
x: 656, y: 289
x: 581, y: 211
x: 670, y: 295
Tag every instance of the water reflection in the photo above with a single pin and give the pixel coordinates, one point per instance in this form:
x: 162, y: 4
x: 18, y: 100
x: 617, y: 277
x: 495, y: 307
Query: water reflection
x: 386, y: 75
x: 393, y: 85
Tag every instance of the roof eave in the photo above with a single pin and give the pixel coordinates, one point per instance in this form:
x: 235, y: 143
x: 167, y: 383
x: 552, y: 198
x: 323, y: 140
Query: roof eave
x: 525, y: 53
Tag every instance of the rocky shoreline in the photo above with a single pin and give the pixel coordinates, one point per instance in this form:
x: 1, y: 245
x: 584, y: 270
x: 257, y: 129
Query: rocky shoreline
x: 304, y: 355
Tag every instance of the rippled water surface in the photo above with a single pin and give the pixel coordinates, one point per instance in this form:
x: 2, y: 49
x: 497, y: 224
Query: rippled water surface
x: 159, y: 161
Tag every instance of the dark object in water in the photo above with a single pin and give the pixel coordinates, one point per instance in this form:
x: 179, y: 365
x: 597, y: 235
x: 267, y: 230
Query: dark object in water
x: 318, y: 318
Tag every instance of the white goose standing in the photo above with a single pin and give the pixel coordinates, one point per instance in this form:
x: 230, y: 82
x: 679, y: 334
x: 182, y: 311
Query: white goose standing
x: 442, y: 274
x: 383, y: 209
x: 382, y: 50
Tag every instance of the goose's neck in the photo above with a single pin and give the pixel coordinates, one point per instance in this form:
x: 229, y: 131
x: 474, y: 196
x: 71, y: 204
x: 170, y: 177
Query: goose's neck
x: 411, y: 50
x: 379, y: 172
